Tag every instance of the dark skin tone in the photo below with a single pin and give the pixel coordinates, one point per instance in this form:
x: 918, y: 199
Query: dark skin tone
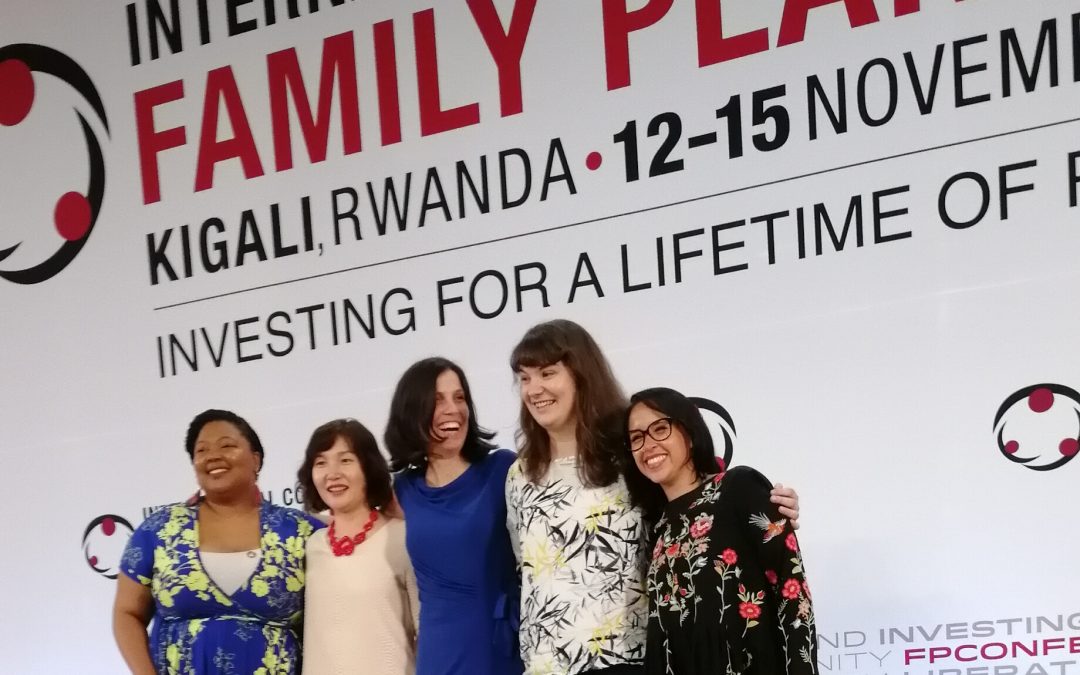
x: 226, y: 469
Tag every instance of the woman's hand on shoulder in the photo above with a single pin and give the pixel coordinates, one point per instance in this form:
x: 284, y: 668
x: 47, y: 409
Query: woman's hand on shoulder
x: 787, y: 501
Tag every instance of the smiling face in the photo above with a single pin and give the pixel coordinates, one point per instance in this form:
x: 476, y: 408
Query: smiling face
x: 223, y: 459
x: 339, y: 478
x: 549, y: 394
x: 666, y: 462
x: 450, y: 419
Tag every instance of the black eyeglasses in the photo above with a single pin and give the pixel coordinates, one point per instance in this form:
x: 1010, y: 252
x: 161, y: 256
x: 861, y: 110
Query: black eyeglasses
x: 658, y: 430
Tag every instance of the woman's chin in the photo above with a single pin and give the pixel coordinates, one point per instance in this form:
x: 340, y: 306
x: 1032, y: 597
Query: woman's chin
x: 659, y: 474
x: 450, y: 446
x: 220, y: 487
x: 339, y: 504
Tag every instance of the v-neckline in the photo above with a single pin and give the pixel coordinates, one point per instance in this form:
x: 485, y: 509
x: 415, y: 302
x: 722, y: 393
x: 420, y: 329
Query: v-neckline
x: 258, y: 566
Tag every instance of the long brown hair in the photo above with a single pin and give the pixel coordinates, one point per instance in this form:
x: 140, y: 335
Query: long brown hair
x: 599, y: 402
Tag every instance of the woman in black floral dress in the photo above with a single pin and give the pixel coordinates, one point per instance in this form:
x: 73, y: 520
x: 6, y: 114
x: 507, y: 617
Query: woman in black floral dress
x: 727, y: 593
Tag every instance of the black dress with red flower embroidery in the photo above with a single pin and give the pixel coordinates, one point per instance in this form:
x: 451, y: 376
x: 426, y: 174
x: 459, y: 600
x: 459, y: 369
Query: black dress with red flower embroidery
x: 726, y: 587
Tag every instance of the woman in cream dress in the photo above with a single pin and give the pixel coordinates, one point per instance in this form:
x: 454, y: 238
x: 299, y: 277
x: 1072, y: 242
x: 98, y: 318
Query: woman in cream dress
x: 361, y: 604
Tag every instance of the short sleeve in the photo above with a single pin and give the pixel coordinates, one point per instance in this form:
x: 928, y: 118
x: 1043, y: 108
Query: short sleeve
x: 403, y: 492
x: 315, y: 520
x: 137, y: 563
x: 513, y: 509
x: 502, y: 459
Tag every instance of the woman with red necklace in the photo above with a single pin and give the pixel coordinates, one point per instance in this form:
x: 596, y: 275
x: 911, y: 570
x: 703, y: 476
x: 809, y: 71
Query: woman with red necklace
x: 361, y: 606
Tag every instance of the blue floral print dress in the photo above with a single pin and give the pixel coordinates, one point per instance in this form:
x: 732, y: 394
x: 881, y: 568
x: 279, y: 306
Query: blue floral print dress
x: 197, y: 628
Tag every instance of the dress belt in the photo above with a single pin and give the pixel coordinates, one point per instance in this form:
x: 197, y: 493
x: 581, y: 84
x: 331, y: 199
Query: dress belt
x: 227, y: 617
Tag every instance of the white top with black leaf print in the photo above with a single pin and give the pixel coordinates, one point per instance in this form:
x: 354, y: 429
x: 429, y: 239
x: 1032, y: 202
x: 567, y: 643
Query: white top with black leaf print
x: 581, y: 554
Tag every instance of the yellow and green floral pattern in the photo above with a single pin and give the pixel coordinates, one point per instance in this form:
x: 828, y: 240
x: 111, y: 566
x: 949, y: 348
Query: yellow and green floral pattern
x: 197, y: 628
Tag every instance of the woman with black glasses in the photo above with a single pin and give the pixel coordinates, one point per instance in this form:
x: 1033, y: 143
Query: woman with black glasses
x: 727, y: 591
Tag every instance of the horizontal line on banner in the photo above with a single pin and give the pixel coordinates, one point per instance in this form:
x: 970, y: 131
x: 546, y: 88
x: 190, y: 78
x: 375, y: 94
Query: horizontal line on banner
x: 625, y: 213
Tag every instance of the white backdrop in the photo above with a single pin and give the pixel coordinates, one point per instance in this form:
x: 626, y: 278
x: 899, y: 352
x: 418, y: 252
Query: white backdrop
x: 869, y: 377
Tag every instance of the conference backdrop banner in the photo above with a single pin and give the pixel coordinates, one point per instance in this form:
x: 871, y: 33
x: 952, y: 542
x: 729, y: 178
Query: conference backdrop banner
x: 852, y: 225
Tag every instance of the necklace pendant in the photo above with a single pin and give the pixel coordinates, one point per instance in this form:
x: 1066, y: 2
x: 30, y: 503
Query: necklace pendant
x: 346, y: 545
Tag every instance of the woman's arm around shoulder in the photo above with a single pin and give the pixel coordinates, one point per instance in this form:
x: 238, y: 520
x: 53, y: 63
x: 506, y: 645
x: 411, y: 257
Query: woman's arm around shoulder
x: 778, y: 550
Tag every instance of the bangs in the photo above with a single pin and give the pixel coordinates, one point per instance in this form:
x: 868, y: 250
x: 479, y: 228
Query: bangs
x: 537, y: 350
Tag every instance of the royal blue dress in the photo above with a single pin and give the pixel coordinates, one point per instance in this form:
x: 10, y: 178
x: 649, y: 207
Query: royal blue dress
x: 465, y: 571
x: 198, y: 629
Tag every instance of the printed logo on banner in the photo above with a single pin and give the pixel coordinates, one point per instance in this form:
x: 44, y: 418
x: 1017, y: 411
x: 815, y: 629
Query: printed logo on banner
x: 1039, y: 426
x: 103, y: 543
x: 74, y: 212
x: 721, y: 427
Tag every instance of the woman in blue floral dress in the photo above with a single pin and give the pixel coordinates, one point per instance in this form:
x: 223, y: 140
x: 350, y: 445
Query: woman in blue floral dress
x: 223, y: 578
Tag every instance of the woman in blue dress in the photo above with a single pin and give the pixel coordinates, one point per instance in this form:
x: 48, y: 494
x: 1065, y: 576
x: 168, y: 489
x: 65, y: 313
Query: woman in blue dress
x: 222, y: 577
x: 451, y: 489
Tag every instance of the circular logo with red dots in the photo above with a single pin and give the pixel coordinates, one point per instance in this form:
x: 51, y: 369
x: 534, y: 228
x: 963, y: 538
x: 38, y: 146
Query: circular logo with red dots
x: 23, y: 71
x: 1039, y: 426
x: 721, y: 428
x: 103, y: 544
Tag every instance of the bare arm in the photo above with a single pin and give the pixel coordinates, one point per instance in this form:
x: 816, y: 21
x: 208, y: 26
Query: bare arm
x: 132, y: 610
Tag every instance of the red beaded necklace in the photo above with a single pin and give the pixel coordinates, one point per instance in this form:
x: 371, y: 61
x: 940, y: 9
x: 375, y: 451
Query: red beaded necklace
x: 346, y: 545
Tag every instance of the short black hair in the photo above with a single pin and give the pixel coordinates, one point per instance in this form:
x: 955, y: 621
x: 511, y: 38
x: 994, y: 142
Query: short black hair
x: 213, y: 415
x: 644, y: 493
x: 379, y: 491
x: 408, y: 431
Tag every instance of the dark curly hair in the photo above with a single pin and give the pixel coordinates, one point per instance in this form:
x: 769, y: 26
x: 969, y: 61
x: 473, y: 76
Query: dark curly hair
x: 213, y: 415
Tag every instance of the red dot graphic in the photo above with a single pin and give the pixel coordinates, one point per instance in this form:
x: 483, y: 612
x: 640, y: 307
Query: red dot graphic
x: 108, y: 526
x: 17, y: 85
x: 72, y: 216
x: 93, y: 561
x: 1012, y: 447
x: 1041, y: 400
x: 1069, y: 447
x: 593, y: 161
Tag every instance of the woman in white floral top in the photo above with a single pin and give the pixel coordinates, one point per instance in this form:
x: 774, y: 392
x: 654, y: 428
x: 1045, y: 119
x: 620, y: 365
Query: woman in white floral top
x: 579, y: 542
x: 727, y: 592
x: 578, y: 539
